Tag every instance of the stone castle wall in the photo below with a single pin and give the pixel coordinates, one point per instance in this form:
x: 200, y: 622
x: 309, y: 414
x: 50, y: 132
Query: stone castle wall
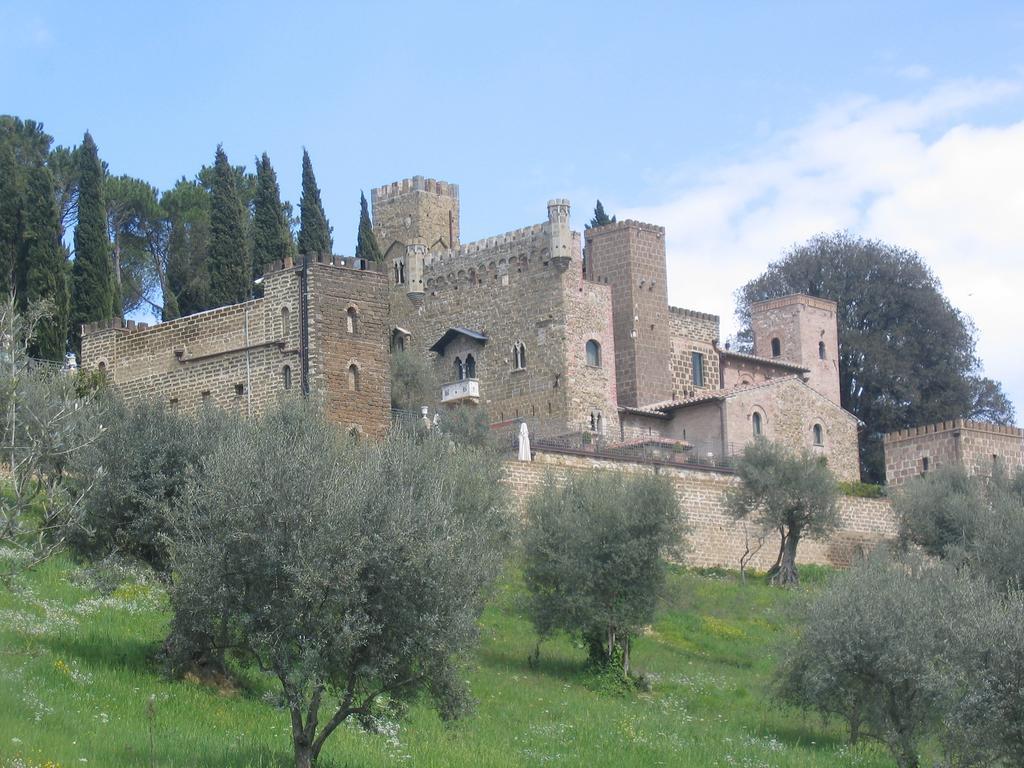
x: 715, y: 538
x: 975, y: 445
x: 245, y: 357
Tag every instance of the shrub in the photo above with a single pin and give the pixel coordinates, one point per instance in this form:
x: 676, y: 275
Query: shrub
x: 594, y: 558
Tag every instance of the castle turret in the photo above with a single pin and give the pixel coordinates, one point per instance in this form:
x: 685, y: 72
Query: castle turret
x: 561, y: 235
x: 416, y: 210
x: 803, y: 330
x: 415, y: 254
x: 630, y: 257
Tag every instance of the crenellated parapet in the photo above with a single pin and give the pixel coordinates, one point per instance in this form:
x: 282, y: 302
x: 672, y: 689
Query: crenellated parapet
x: 952, y: 425
x: 414, y: 184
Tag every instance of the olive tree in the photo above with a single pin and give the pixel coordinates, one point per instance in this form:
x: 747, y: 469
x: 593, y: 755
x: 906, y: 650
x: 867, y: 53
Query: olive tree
x: 46, y: 422
x: 594, y: 557
x: 351, y: 572
x: 139, y: 466
x: 873, y: 651
x: 792, y: 493
x: 967, y: 520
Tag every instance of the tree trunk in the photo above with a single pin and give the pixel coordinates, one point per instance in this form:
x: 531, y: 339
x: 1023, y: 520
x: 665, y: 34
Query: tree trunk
x: 625, y: 656
x: 303, y: 755
x: 786, y: 574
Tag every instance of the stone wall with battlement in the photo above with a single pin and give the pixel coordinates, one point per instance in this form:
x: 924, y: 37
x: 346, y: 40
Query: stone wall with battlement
x: 693, y: 333
x: 245, y: 357
x: 976, y: 445
x: 716, y: 539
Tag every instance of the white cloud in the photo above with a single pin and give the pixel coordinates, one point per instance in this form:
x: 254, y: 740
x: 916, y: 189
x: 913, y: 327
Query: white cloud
x: 912, y: 172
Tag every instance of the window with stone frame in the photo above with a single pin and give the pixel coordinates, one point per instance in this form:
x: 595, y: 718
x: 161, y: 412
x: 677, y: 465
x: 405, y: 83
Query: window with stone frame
x: 353, y: 378
x: 594, y: 353
x: 757, y: 424
x: 818, y: 433
x: 596, y: 422
x: 518, y: 356
x: 821, y: 350
x: 286, y: 377
x: 697, y: 360
x: 352, y: 320
x: 460, y: 369
x: 470, y: 367
x: 776, y: 347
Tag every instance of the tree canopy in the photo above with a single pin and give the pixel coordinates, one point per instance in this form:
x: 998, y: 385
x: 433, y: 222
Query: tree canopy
x: 600, y: 218
x: 366, y: 242
x: 272, y: 239
x: 314, y: 231
x: 228, y: 261
x: 906, y: 355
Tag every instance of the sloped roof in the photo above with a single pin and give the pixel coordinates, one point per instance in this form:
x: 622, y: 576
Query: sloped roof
x: 763, y: 360
x: 453, y: 333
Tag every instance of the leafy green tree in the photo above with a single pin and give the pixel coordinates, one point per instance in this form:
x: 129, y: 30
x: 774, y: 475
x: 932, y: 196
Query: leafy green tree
x: 873, y: 651
x: 228, y: 262
x: 906, y: 355
x: 600, y: 217
x: 968, y: 521
x: 413, y: 383
x: 186, y: 207
x: 45, y: 267
x: 594, y: 550
x: 132, y: 213
x: 93, y: 288
x: 272, y: 239
x: 352, y: 572
x: 314, y: 231
x: 64, y: 164
x: 792, y: 493
x: 10, y: 219
x: 366, y: 243
x: 46, y: 422
x: 138, y: 468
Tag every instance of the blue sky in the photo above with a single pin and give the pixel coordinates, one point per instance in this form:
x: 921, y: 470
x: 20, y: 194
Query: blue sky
x: 741, y: 127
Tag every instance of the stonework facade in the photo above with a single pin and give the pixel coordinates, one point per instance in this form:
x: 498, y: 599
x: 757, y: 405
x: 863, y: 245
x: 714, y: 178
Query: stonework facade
x: 715, y: 538
x: 245, y: 357
x: 977, y: 446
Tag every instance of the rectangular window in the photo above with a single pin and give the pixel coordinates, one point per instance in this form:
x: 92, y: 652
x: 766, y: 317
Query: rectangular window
x: 698, y: 369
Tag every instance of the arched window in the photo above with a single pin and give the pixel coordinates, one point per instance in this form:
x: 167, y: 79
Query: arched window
x: 286, y: 376
x: 519, y: 356
x: 352, y: 320
x: 776, y: 347
x: 593, y: 353
x: 399, y: 267
x: 819, y: 434
x: 460, y: 371
x: 758, y: 427
x: 470, y: 367
x: 286, y: 322
x: 821, y: 350
x: 353, y: 378
x: 596, y: 422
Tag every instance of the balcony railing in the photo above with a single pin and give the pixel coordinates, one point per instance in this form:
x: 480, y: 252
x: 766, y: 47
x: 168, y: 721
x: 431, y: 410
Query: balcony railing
x: 466, y: 389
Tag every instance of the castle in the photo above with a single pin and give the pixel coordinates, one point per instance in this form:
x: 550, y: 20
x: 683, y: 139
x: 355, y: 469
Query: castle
x: 532, y: 325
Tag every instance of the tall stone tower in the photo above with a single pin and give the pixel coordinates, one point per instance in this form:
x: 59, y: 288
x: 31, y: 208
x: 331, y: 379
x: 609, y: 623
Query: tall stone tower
x: 416, y: 210
x: 630, y: 257
x: 803, y: 330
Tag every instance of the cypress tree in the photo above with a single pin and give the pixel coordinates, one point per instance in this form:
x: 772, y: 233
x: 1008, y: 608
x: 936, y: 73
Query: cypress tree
x: 92, y: 275
x: 366, y: 241
x: 10, y: 218
x: 271, y: 238
x: 230, y: 270
x: 600, y: 217
x: 314, y: 231
x: 45, y: 265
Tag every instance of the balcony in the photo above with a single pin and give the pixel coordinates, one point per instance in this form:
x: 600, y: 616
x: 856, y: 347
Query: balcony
x: 465, y: 390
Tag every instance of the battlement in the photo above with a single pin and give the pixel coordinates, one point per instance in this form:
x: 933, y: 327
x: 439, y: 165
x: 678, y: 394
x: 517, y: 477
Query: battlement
x: 794, y: 298
x: 694, y: 314
x: 951, y: 426
x: 522, y: 235
x: 415, y: 184
x: 627, y: 224
x: 343, y: 262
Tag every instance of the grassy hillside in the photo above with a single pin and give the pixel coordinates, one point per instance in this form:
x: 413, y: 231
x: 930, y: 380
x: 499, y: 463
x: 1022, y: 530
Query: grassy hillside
x: 79, y: 686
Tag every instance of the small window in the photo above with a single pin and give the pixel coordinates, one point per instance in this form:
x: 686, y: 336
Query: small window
x: 460, y: 370
x: 286, y: 376
x: 593, y: 353
x: 821, y: 350
x: 776, y: 347
x: 470, y: 367
x: 352, y: 320
x: 174, y: 402
x: 519, y: 357
x: 353, y: 378
x: 698, y: 369
x: 239, y: 390
x: 758, y: 427
x: 924, y: 465
x: 819, y: 435
x: 286, y: 322
x: 399, y: 267
x: 596, y: 422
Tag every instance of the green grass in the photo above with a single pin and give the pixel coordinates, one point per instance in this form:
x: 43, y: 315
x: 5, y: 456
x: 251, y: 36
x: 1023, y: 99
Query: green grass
x: 77, y: 674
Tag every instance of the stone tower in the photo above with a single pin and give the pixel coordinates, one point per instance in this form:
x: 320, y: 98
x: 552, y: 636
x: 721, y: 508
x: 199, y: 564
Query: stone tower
x: 803, y: 330
x: 416, y: 210
x: 629, y: 256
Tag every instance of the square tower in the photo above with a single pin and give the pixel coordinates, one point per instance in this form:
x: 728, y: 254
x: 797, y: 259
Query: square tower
x: 415, y: 210
x: 629, y: 256
x: 803, y: 330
